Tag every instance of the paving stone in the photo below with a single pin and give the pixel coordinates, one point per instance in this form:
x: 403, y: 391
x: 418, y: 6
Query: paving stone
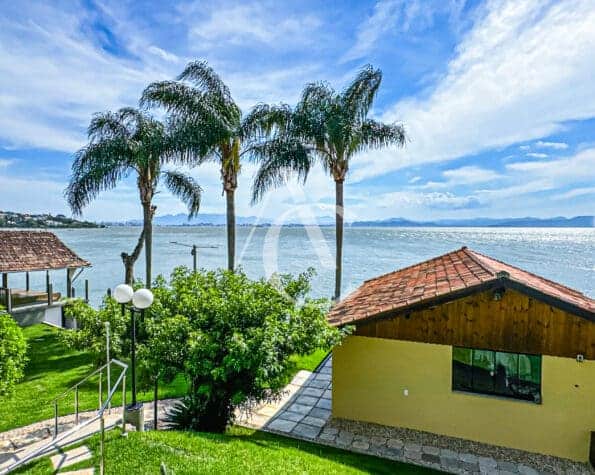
x: 330, y: 430
x: 394, y: 443
x: 526, y: 470
x: 487, y: 462
x: 323, y: 377
x: 300, y: 408
x: 328, y: 394
x: 450, y: 454
x: 430, y: 449
x: 314, y: 392
x: 71, y: 457
x: 82, y: 471
x: 320, y: 413
x: 449, y: 463
x: 282, y: 425
x: 314, y: 421
x: 306, y: 400
x: 412, y: 447
x: 344, y: 438
x: 305, y: 430
x: 391, y: 452
x: 360, y: 444
x: 507, y: 466
x: 291, y: 416
x: 468, y: 458
x: 469, y: 466
x: 324, y: 404
x: 379, y: 441
x: 413, y: 454
x: 430, y: 458
x: 327, y: 437
x: 318, y: 384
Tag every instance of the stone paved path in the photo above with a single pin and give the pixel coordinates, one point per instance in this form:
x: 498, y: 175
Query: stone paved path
x: 304, y: 412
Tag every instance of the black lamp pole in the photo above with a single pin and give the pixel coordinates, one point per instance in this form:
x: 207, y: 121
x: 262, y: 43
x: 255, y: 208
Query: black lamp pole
x: 133, y: 356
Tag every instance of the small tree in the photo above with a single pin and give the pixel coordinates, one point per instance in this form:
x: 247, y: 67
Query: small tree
x: 240, y: 335
x: 13, y: 351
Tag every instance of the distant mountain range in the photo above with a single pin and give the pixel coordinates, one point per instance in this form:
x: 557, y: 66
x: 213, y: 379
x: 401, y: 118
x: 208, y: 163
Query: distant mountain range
x: 214, y: 219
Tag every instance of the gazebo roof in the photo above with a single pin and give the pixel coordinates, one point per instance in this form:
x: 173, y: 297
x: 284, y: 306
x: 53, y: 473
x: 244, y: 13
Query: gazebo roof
x: 24, y: 251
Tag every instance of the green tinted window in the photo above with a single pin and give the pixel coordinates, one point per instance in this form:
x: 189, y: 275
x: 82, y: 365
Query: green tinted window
x: 495, y: 372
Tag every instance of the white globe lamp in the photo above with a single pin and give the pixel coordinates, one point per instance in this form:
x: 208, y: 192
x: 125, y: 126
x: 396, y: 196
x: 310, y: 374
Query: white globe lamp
x: 123, y: 293
x: 142, y: 298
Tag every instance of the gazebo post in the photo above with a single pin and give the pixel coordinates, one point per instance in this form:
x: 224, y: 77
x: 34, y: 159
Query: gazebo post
x: 47, y: 281
x: 5, y: 280
x: 69, y: 275
x: 27, y: 282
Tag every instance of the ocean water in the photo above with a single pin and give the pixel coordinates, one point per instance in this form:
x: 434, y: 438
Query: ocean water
x: 563, y: 255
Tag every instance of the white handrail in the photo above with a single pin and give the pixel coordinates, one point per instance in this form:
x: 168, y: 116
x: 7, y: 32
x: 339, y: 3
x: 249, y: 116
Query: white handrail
x: 99, y: 416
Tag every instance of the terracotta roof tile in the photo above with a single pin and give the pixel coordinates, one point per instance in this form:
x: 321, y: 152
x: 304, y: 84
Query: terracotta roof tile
x: 22, y: 251
x: 439, y: 277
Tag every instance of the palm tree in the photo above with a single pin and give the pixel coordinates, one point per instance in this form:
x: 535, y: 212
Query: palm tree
x: 325, y: 127
x: 124, y: 142
x: 211, y: 127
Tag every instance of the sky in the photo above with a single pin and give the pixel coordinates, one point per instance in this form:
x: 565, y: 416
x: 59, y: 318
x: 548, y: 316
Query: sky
x: 497, y: 98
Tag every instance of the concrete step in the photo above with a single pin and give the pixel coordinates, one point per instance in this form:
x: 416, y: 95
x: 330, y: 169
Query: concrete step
x: 70, y: 457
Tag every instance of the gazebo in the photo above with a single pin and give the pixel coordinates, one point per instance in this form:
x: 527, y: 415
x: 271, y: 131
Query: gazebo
x: 36, y: 251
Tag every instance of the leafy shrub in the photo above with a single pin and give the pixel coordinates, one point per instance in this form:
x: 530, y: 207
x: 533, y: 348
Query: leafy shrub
x: 233, y: 338
x: 13, y: 353
x: 90, y: 332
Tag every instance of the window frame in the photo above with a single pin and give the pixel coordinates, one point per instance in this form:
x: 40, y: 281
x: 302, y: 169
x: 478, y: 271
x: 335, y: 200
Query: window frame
x: 495, y: 392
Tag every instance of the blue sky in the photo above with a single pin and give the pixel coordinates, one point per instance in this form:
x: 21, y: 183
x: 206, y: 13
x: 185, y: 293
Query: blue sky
x: 497, y: 97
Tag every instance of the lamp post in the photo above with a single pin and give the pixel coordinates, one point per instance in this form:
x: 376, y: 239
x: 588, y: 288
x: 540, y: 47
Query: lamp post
x: 193, y: 252
x: 141, y: 300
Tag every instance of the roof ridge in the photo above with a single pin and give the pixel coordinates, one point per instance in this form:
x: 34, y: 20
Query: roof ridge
x: 473, y: 256
x: 555, y: 284
x: 413, y: 265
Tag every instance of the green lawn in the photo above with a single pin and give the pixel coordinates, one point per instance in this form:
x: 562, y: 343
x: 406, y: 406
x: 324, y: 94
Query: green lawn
x: 53, y: 368
x: 239, y: 451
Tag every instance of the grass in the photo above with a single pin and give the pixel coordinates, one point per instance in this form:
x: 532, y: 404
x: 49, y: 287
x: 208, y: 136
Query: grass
x: 53, y: 368
x: 239, y: 451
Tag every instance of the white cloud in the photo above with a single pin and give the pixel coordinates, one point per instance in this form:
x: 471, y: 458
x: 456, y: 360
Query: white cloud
x: 6, y: 162
x: 552, y: 145
x: 588, y: 190
x: 519, y: 58
x: 247, y: 22
x: 398, y: 16
x: 54, y: 76
x: 469, y: 175
x: 436, y: 200
x: 536, y: 155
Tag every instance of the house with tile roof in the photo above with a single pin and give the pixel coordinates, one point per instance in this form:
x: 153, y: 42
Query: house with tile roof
x: 27, y: 252
x: 466, y: 346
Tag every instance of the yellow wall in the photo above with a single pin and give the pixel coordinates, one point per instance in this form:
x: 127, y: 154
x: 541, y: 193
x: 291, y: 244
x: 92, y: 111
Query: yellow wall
x: 371, y: 374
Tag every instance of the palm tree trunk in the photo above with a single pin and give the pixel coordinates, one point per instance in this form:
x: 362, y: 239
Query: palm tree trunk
x: 231, y: 228
x: 148, y: 212
x: 339, y: 212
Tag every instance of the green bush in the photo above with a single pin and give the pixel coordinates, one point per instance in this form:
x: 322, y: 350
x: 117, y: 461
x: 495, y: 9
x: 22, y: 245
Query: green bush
x: 233, y: 338
x: 90, y: 332
x: 13, y: 353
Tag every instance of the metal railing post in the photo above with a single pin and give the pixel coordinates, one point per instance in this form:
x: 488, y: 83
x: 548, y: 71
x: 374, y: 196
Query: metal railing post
x: 124, y: 405
x: 102, y: 446
x: 87, y: 290
x: 50, y: 294
x: 55, y: 419
x: 100, y: 388
x: 8, y: 300
x: 76, y: 405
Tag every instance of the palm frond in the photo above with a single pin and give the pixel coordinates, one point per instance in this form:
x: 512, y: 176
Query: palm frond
x: 174, y: 97
x: 279, y: 160
x: 375, y: 134
x: 205, y: 79
x: 360, y: 94
x: 186, y: 189
x: 264, y: 120
x: 97, y: 167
